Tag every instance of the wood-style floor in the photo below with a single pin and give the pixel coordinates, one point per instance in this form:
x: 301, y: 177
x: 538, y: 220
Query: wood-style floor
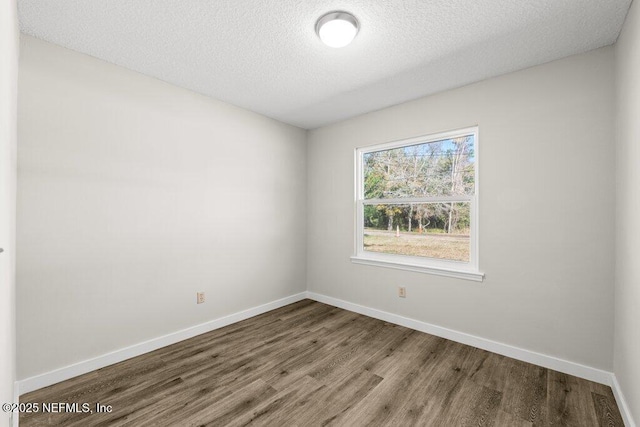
x: 311, y: 364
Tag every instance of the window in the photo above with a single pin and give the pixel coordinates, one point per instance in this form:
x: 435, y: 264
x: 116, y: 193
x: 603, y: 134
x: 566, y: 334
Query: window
x: 416, y: 204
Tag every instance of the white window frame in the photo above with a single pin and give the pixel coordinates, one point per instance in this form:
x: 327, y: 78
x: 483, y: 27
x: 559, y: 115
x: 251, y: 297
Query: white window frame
x: 458, y: 269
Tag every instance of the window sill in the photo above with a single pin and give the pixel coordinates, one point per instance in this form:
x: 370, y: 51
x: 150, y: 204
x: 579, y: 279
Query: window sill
x: 447, y: 272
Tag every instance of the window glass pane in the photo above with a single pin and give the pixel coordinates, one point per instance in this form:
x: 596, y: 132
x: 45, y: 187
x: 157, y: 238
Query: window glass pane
x: 432, y: 230
x: 441, y: 168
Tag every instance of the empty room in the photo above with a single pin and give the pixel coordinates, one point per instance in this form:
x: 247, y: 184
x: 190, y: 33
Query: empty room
x: 311, y: 213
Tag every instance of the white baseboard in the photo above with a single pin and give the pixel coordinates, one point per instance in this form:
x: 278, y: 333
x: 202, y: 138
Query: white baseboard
x: 593, y: 374
x: 550, y: 362
x: 622, y: 402
x: 49, y: 378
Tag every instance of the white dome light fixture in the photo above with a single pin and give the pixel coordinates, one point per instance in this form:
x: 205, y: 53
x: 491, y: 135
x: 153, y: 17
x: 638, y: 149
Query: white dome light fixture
x: 337, y: 29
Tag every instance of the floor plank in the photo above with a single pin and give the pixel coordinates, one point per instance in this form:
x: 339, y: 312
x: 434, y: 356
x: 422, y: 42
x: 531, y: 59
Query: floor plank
x: 570, y: 401
x: 606, y: 410
x: 525, y: 391
x: 311, y: 364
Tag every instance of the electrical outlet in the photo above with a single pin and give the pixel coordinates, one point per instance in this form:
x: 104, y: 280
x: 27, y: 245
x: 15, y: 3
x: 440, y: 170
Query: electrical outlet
x: 402, y: 292
x: 200, y: 297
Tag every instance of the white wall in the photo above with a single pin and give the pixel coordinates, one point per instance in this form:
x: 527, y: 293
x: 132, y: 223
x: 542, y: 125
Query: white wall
x: 8, y: 91
x: 627, y: 293
x: 546, y: 156
x: 132, y: 196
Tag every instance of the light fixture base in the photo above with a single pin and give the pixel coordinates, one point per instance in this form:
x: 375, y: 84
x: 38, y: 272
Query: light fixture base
x: 345, y: 37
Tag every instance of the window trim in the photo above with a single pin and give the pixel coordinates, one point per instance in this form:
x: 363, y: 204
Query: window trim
x: 458, y: 269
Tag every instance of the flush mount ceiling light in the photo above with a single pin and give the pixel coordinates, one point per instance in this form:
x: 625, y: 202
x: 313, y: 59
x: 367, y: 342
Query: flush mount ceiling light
x: 337, y: 29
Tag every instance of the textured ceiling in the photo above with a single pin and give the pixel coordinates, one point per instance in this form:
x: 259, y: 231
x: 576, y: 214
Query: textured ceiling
x: 264, y: 55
